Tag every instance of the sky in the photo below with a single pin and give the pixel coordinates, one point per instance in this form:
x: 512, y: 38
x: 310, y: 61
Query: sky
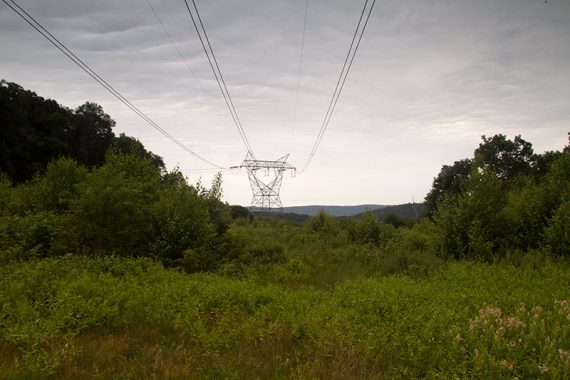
x: 429, y: 79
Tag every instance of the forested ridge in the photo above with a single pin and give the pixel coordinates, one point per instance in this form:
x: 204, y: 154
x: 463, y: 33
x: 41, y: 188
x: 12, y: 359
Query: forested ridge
x: 113, y: 266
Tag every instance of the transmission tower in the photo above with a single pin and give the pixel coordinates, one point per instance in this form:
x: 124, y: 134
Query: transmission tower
x: 266, y: 195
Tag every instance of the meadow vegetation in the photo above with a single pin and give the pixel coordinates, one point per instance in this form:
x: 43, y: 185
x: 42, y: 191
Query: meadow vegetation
x: 120, y: 269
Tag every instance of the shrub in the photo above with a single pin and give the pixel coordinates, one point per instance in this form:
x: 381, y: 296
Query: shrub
x: 114, y: 209
x: 58, y: 187
x: 37, y: 235
x: 322, y: 223
x: 182, y: 222
x: 557, y: 235
x: 367, y: 229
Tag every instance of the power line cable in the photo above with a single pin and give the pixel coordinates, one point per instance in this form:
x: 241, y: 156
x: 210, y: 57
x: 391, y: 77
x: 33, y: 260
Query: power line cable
x: 342, y: 79
x: 169, y: 36
x: 75, y: 59
x: 217, y: 72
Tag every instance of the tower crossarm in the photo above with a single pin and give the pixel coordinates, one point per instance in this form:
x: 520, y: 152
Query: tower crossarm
x: 280, y: 164
x: 265, y: 195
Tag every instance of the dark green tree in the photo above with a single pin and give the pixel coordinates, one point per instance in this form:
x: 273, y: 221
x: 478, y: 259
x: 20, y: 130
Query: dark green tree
x: 450, y: 180
x: 239, y: 212
x: 113, y: 212
x: 91, y: 134
x: 32, y: 131
x: 507, y: 159
x: 129, y: 145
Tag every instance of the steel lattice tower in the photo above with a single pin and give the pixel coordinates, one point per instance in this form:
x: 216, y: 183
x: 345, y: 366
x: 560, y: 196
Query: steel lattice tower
x: 266, y: 195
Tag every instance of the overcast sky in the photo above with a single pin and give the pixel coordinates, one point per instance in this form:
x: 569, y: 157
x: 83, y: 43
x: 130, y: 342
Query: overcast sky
x: 430, y: 78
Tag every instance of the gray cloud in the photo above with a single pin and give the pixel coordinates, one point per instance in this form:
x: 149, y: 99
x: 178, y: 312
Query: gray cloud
x: 429, y: 79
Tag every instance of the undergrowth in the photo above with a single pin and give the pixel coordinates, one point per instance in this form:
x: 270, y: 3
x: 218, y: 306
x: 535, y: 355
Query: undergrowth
x: 74, y: 317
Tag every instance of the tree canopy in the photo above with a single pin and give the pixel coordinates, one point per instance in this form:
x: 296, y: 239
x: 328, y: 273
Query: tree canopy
x: 35, y: 131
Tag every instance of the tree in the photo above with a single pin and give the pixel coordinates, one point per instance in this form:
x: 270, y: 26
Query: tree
x: 55, y: 190
x: 113, y: 212
x: 472, y: 224
x: 505, y: 158
x: 91, y: 134
x: 182, y: 221
x: 129, y: 145
x: 239, y: 212
x: 32, y: 131
x: 395, y: 220
x: 449, y: 181
x: 220, y: 213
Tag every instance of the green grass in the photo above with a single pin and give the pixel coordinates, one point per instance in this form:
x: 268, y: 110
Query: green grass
x: 75, y: 317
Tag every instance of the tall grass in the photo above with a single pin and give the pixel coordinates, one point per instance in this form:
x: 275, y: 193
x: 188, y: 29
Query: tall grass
x: 75, y: 317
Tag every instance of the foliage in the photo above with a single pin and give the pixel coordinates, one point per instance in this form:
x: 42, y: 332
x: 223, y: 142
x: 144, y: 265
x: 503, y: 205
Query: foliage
x: 237, y: 212
x: 57, y: 189
x: 322, y: 223
x: 369, y: 230
x: 557, y: 235
x: 182, y: 221
x: 131, y: 146
x: 113, y: 210
x: 219, y: 212
x: 99, y: 250
x: 36, y: 235
x: 505, y: 158
x: 91, y: 134
x: 35, y: 131
x: 449, y: 181
x: 395, y: 220
x: 126, y: 207
x: 504, y: 205
x: 75, y: 317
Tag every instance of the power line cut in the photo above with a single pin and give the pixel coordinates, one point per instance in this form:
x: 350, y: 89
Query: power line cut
x: 75, y: 59
x: 217, y: 72
x: 342, y: 78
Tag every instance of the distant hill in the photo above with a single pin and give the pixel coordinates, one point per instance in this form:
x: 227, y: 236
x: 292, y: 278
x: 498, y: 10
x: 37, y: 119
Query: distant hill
x: 285, y: 216
x: 407, y: 210
x: 300, y: 213
x: 331, y: 210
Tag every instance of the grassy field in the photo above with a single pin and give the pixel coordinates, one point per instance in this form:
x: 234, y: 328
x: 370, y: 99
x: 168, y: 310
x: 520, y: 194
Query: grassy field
x: 77, y: 317
x: 112, y: 267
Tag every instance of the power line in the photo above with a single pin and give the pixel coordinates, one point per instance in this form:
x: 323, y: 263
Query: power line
x: 217, y: 72
x: 342, y: 79
x: 165, y: 30
x: 75, y: 59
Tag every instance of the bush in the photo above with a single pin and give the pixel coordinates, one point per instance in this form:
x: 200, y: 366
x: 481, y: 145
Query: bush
x: 182, y: 222
x: 58, y: 187
x: 472, y: 225
x: 367, y: 229
x: 37, y: 235
x: 114, y: 210
x: 557, y: 235
x: 322, y: 223
x: 413, y: 264
x: 417, y: 239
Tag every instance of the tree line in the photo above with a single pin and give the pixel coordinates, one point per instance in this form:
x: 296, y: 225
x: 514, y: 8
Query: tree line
x: 36, y: 131
x: 68, y: 184
x: 72, y: 186
x: 504, y: 199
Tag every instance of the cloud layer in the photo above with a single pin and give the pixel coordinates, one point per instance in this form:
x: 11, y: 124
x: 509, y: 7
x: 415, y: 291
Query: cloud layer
x: 430, y: 78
